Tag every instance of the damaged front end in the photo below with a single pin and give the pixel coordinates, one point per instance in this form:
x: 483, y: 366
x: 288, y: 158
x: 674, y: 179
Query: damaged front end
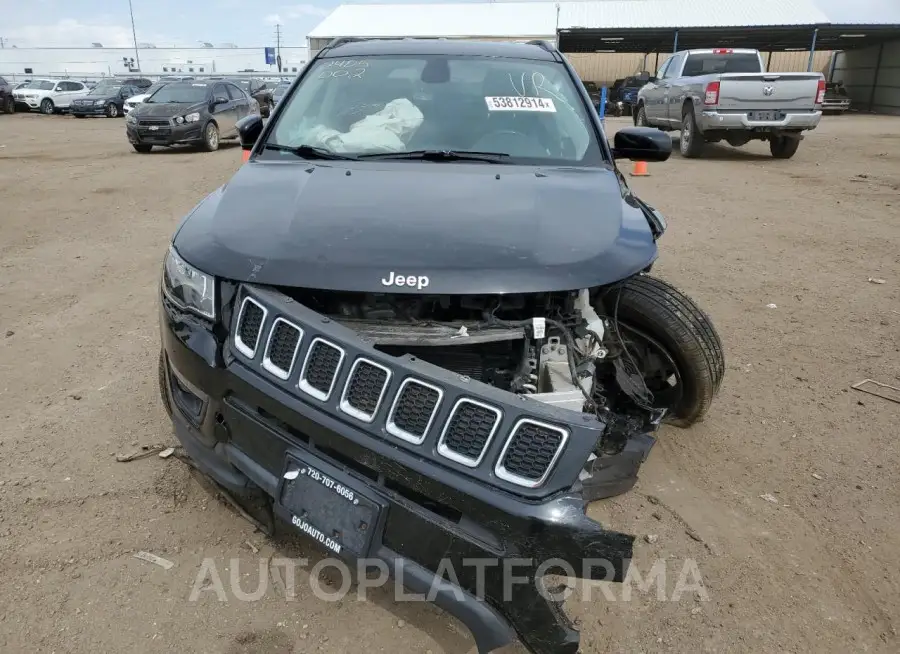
x: 430, y: 433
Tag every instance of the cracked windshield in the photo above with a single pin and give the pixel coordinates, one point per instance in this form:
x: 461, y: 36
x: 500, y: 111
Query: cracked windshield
x: 526, y: 110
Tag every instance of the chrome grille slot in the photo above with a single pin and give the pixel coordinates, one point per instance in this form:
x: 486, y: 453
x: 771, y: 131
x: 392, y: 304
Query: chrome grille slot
x: 530, y: 453
x: 281, y: 348
x: 468, y: 432
x: 364, y: 390
x: 249, y: 326
x: 320, y: 369
x: 413, y: 410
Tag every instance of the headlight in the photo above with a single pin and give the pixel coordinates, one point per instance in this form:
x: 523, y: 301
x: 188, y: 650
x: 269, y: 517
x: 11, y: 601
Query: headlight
x: 187, y: 287
x: 179, y: 120
x: 192, y: 118
x: 129, y: 118
x: 96, y: 102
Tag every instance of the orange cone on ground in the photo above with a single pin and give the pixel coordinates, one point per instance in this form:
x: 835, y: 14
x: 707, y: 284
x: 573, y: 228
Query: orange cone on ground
x: 640, y: 169
x: 245, y: 155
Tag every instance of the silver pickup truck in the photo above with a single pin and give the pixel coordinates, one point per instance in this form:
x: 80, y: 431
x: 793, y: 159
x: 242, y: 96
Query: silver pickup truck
x: 726, y: 94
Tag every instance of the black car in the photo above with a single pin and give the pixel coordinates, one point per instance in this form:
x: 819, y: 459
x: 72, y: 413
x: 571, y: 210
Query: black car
x: 105, y: 99
x: 439, y: 341
x: 7, y: 102
x: 192, y: 112
x: 259, y: 91
x: 628, y: 90
x: 279, y: 91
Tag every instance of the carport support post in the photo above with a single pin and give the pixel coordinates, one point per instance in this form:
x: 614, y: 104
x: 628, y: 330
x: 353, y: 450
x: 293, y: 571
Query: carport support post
x: 875, y: 78
x: 812, y: 50
x: 602, y: 108
x: 675, y: 47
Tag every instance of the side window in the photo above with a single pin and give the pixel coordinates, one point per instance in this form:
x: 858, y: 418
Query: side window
x: 219, y: 91
x: 62, y: 86
x: 674, y: 68
x: 662, y: 70
x: 233, y: 92
x: 2, y: 82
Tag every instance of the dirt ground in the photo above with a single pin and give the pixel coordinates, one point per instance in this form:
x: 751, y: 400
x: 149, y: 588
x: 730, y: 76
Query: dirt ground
x: 84, y: 223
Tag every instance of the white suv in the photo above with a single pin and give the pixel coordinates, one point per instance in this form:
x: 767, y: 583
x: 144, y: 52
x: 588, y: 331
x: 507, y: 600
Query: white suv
x: 50, y: 95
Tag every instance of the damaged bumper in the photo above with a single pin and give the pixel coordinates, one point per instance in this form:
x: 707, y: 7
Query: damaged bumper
x: 393, y: 459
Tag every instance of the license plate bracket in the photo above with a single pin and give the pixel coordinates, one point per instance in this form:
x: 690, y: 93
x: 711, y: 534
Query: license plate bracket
x: 765, y: 116
x: 327, y: 505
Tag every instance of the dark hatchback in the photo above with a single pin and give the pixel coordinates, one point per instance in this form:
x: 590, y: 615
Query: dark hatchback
x: 191, y: 112
x: 105, y: 99
x: 439, y: 340
x: 259, y: 91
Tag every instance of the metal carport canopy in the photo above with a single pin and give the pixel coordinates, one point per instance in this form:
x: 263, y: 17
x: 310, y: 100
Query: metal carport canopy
x: 770, y: 38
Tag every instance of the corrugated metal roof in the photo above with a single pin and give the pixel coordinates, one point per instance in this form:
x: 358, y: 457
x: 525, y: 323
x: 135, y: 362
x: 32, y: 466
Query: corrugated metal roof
x: 504, y: 19
x: 627, y: 14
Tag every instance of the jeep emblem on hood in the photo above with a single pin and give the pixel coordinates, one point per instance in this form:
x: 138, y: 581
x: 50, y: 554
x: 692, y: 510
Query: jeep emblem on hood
x: 393, y: 279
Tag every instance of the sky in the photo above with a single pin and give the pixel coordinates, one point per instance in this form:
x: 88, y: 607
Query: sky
x: 78, y: 23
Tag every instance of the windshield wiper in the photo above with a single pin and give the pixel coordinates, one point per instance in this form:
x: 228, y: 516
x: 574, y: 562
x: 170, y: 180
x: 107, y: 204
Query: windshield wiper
x: 309, y: 151
x: 441, y: 155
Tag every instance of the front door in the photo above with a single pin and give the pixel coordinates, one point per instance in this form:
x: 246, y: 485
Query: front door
x: 223, y: 110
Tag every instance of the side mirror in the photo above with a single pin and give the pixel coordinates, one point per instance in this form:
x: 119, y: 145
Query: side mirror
x: 219, y: 99
x: 249, y: 128
x: 642, y: 144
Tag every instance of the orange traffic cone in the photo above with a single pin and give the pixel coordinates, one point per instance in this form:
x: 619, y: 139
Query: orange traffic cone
x: 245, y: 155
x: 640, y: 169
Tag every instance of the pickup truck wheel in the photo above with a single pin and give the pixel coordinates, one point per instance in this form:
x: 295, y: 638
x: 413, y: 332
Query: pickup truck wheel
x: 640, y: 118
x: 691, y: 142
x: 663, y: 326
x: 47, y: 107
x: 784, y: 147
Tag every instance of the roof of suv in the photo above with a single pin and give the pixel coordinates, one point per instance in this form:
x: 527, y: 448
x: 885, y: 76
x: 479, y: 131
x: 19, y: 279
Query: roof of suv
x: 375, y: 47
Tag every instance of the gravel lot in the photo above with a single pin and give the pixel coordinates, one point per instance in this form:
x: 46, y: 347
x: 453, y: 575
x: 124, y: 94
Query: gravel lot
x: 85, y: 222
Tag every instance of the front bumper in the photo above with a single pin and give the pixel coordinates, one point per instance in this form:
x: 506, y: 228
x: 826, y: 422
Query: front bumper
x: 717, y: 120
x: 241, y: 424
x: 28, y: 101
x: 186, y: 133
x: 87, y: 110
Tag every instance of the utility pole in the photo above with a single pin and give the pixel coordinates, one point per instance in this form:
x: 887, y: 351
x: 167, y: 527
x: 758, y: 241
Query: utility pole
x: 278, y: 45
x: 137, y: 55
x: 2, y: 42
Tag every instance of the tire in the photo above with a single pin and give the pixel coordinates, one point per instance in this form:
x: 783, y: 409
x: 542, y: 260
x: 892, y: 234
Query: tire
x: 79, y: 115
x: 691, y: 140
x: 211, y: 137
x: 112, y: 110
x: 9, y: 106
x: 142, y: 148
x: 686, y: 333
x: 640, y: 118
x: 784, y: 147
x: 47, y: 107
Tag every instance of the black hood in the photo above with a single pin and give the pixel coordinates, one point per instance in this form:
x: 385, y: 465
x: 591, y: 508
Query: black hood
x: 167, y: 109
x: 468, y: 228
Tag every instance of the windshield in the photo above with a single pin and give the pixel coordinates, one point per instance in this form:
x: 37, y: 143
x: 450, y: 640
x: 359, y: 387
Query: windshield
x: 153, y: 89
x: 186, y: 93
x: 282, y: 87
x: 105, y: 89
x: 526, y: 109
x: 42, y: 84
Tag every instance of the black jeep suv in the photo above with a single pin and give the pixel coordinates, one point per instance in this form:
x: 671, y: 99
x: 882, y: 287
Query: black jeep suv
x: 436, y: 340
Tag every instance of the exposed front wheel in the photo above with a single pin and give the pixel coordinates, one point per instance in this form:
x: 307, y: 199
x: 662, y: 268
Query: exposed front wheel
x: 112, y: 111
x: 211, y: 137
x: 784, y: 147
x: 640, y: 118
x: 674, y: 345
x: 691, y: 142
x: 47, y: 107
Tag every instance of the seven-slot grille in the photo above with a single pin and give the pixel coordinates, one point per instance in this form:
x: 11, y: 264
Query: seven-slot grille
x: 281, y: 350
x: 365, y: 389
x: 528, y: 455
x: 530, y: 452
x: 249, y: 326
x: 413, y: 410
x: 468, y: 432
x: 321, y: 368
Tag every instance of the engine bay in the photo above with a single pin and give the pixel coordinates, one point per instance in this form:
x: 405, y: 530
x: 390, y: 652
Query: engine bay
x: 566, y: 349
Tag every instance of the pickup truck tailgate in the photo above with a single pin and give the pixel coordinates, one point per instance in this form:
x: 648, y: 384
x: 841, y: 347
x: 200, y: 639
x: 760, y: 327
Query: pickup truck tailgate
x: 783, y: 92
